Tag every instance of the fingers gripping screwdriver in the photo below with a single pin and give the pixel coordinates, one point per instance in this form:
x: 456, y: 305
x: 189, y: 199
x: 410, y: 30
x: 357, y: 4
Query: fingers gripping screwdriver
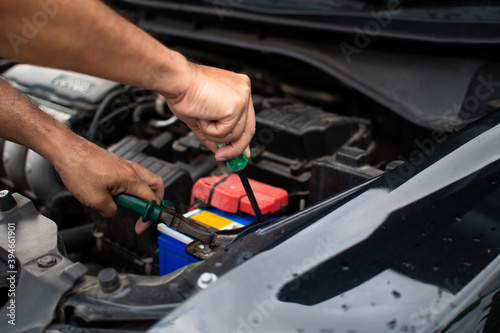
x: 237, y: 165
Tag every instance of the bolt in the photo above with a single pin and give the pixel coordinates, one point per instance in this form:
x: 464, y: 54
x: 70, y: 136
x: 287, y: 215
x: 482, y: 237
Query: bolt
x: 7, y: 201
x: 244, y: 256
x: 206, y: 250
x: 109, y: 280
x: 206, y: 279
x: 47, y: 261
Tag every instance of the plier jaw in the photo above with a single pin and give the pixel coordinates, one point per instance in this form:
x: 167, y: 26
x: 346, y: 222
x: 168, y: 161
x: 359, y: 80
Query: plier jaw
x: 208, y: 240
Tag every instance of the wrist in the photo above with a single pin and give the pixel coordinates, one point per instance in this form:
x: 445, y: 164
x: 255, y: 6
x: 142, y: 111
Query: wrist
x: 171, y: 76
x: 58, y: 146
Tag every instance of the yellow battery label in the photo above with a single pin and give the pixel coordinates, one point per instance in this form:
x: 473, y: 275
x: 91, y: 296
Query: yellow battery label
x: 215, y: 220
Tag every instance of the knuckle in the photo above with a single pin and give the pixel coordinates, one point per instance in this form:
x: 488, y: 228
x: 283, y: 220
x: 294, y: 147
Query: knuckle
x: 132, y: 164
x: 245, y: 85
x: 129, y: 173
x: 240, y: 102
x: 245, y: 79
x: 158, y: 179
x: 247, y: 90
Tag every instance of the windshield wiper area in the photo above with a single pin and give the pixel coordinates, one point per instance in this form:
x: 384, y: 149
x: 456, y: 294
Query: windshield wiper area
x: 284, y: 7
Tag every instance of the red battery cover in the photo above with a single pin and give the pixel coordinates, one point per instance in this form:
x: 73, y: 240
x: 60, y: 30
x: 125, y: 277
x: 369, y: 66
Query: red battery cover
x: 227, y: 193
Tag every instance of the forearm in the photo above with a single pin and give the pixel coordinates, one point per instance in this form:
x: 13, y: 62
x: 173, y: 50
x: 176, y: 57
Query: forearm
x: 21, y: 121
x: 86, y: 36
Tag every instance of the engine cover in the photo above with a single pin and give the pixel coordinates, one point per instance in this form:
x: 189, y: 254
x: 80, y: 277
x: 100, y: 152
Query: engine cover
x: 66, y: 88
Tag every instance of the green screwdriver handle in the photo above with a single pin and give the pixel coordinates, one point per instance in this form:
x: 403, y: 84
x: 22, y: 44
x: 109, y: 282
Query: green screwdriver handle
x: 148, y: 210
x: 235, y: 164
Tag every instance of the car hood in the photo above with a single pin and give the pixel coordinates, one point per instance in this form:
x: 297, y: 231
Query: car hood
x: 389, y: 252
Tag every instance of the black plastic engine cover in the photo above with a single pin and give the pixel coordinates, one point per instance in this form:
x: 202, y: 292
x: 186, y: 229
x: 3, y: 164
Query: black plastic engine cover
x: 290, y: 136
x: 295, y: 131
x: 332, y: 175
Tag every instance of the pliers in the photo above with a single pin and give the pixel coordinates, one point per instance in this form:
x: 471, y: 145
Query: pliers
x: 213, y: 240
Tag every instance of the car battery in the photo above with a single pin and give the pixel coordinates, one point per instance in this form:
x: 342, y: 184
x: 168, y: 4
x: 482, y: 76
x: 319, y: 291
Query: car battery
x: 229, y: 208
x: 172, y: 244
x: 227, y: 193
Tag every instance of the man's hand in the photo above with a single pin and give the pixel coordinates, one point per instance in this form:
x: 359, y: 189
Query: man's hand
x: 93, y: 175
x: 216, y: 104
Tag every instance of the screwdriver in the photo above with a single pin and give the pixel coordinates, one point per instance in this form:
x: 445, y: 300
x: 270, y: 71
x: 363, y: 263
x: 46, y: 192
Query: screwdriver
x: 237, y: 165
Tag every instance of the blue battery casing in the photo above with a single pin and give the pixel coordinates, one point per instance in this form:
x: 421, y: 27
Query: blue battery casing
x: 171, y: 246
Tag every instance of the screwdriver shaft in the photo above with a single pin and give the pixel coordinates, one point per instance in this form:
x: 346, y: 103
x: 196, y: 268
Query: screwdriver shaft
x: 250, y: 195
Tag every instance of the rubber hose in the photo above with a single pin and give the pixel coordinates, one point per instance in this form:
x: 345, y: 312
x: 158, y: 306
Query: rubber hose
x: 100, y: 112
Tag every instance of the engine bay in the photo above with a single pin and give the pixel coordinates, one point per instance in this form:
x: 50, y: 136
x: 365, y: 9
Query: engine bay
x: 298, y: 147
x: 308, y: 146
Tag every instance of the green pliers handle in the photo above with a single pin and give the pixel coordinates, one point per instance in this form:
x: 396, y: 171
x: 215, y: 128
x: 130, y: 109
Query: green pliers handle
x: 148, y: 210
